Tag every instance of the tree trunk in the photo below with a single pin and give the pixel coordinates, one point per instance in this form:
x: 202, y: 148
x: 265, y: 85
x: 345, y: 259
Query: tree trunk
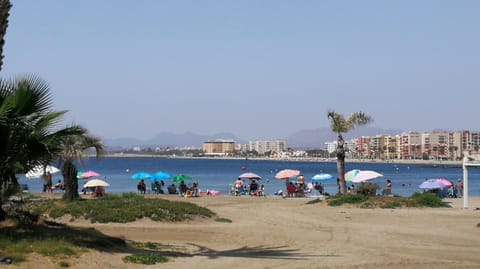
x: 5, y: 6
x: 9, y: 186
x: 70, y: 181
x: 341, y: 165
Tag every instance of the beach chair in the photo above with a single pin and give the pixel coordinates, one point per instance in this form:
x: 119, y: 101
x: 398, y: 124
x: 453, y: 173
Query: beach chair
x: 25, y: 187
x: 155, y: 188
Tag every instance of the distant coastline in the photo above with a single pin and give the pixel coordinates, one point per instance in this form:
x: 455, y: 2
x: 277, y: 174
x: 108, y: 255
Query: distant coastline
x: 309, y: 159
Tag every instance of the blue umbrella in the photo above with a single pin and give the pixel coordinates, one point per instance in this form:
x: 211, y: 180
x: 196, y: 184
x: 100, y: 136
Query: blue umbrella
x: 160, y: 175
x: 142, y: 175
x: 321, y: 177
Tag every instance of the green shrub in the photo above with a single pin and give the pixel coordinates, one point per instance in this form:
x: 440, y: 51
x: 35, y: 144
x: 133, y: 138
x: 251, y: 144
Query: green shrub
x: 314, y: 201
x: 347, y: 199
x: 225, y: 220
x: 427, y: 199
x: 64, y: 264
x: 121, y: 209
x: 145, y: 258
x: 394, y: 204
x: 368, y: 188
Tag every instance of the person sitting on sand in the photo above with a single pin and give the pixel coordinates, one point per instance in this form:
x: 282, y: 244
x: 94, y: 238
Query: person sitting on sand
x: 193, y: 191
x: 99, y: 192
x: 291, y: 189
x: 260, y: 191
x: 172, y: 189
x: 58, y: 185
x: 182, y: 188
x: 253, y: 187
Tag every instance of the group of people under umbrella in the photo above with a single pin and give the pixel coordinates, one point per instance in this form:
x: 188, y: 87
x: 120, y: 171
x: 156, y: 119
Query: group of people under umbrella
x: 158, y: 184
x: 443, y: 187
x: 298, y: 187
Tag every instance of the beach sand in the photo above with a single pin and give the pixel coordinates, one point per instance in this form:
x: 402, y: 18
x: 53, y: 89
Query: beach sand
x: 272, y: 232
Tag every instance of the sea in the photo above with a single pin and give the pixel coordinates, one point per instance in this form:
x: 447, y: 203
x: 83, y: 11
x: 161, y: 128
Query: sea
x: 219, y: 173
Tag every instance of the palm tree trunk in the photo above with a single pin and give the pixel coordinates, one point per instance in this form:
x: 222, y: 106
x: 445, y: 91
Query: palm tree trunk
x: 70, y: 181
x: 341, y: 164
x: 5, y: 6
x: 9, y: 186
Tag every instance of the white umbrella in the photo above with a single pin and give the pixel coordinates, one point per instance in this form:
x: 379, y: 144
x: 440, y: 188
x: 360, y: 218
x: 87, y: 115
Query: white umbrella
x: 96, y: 183
x: 38, y: 171
x: 357, y: 176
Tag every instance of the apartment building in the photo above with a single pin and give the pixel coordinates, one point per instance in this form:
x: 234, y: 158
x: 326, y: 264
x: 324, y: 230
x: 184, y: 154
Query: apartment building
x: 219, y: 147
x: 264, y: 146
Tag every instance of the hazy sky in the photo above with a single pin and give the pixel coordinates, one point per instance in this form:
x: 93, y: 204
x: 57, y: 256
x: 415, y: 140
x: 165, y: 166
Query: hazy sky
x: 259, y: 69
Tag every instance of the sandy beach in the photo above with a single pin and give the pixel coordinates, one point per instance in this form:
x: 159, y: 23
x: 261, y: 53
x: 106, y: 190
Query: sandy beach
x: 272, y: 232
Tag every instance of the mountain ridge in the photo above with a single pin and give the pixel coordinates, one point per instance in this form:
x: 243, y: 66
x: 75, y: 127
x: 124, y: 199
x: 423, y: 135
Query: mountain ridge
x: 303, y: 139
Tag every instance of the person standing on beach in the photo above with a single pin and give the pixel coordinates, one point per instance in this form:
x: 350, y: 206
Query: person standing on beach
x: 388, y: 187
x: 45, y: 179
x: 460, y: 188
x: 49, y: 182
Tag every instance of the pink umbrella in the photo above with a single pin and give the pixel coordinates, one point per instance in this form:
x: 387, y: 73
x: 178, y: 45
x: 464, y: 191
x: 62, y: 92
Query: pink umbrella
x: 444, y: 182
x: 287, y: 173
x: 90, y: 174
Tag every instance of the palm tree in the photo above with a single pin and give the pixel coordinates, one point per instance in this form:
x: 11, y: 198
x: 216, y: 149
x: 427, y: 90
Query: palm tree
x: 72, y: 148
x: 27, y: 129
x: 5, y: 6
x: 341, y: 125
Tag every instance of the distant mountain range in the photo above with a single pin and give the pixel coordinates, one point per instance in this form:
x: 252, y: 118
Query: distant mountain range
x: 304, y: 139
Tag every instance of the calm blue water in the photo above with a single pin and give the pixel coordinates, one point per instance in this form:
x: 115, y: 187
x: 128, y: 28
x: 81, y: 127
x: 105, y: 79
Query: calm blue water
x: 217, y: 174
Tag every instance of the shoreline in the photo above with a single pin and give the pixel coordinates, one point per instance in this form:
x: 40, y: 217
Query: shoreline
x: 309, y: 159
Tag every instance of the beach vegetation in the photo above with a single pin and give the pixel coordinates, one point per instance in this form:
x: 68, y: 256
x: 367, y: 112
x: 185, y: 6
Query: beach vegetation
x: 426, y: 199
x: 341, y: 125
x: 32, y: 231
x: 347, y: 199
x: 52, y: 240
x: 145, y: 258
x: 224, y: 220
x: 64, y: 264
x: 375, y: 201
x: 314, y: 201
x: 368, y: 188
x: 120, y: 209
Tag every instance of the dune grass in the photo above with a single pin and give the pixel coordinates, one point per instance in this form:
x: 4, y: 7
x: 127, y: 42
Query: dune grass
x: 121, y: 209
x: 373, y: 201
x: 29, y: 232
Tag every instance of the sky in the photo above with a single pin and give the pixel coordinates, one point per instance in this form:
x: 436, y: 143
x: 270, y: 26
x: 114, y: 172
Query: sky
x: 258, y: 69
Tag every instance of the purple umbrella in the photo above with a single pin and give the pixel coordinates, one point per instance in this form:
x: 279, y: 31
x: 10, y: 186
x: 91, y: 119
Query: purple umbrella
x: 431, y: 184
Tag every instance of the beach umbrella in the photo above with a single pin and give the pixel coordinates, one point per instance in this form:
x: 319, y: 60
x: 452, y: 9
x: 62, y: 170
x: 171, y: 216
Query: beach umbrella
x: 181, y: 177
x: 321, y: 177
x: 39, y: 170
x: 351, y: 174
x: 96, y: 183
x: 142, y: 175
x: 89, y: 174
x: 357, y: 176
x: 249, y: 175
x: 287, y: 173
x: 160, y: 175
x: 444, y: 182
x: 431, y: 184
